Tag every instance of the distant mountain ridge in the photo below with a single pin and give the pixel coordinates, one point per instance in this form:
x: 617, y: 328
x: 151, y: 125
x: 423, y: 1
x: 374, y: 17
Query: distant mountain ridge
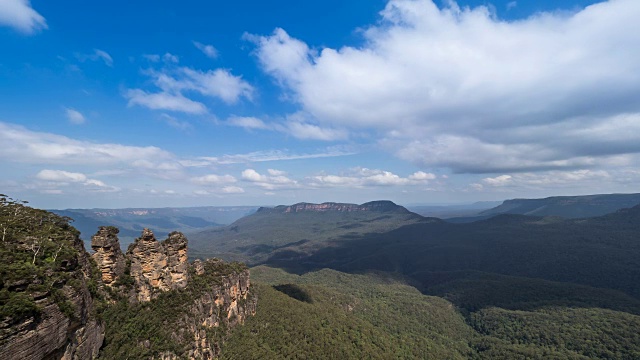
x: 376, y: 206
x: 566, y: 206
x: 299, y: 229
x: 131, y: 221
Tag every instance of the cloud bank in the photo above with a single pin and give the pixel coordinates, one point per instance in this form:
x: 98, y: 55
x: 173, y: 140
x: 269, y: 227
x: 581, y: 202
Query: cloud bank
x: 459, y: 88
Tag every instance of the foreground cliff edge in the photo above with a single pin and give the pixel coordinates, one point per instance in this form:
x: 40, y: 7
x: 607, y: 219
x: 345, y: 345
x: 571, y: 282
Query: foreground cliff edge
x: 59, y: 302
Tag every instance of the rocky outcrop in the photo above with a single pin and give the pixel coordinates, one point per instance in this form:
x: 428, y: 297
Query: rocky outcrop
x: 66, y: 327
x: 108, y: 254
x: 175, y: 246
x: 375, y: 206
x: 210, y: 317
x: 158, y: 266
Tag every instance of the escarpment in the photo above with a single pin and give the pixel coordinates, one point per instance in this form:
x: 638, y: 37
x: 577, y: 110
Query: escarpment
x: 47, y: 288
x: 59, y: 302
x: 372, y: 206
x: 192, y: 307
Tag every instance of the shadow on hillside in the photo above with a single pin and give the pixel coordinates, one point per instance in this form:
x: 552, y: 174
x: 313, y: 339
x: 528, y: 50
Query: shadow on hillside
x: 510, y: 262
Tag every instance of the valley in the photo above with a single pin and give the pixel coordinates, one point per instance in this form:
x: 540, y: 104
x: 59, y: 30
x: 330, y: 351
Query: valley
x: 339, y: 280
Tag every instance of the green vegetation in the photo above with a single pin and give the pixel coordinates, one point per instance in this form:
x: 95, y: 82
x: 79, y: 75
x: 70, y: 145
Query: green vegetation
x: 378, y: 316
x: 350, y: 317
x: 40, y: 257
x: 146, y: 330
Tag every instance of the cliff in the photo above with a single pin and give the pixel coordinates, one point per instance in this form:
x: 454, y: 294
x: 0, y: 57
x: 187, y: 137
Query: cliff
x: 158, y: 266
x: 165, y: 307
x: 107, y: 254
x: 58, y: 302
x: 47, y: 288
x: 372, y: 206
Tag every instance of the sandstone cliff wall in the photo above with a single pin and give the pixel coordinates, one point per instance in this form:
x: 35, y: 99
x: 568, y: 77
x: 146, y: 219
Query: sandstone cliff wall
x: 52, y: 334
x: 158, y: 266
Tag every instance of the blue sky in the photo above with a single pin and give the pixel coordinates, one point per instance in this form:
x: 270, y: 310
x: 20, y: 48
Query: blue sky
x: 141, y: 104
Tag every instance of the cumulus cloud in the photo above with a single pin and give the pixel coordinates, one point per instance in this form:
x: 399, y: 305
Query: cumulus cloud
x: 74, y: 116
x: 213, y: 179
x: 164, y: 101
x: 210, y: 51
x: 19, y: 15
x: 275, y: 180
x: 176, y: 83
x: 457, y: 87
x: 362, y: 177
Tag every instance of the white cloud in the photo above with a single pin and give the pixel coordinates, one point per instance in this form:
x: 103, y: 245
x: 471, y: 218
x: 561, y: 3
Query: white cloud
x: 548, y: 180
x: 232, y: 190
x: 96, y: 56
x: 274, y: 172
x: 307, y: 131
x: 213, y: 179
x: 210, y: 51
x: 74, y: 116
x: 174, y: 83
x: 218, y: 83
x: 247, y: 122
x: 512, y: 5
x: 362, y: 177
x: 457, y: 87
x: 19, y: 15
x: 18, y: 144
x: 296, y: 125
x: 60, y: 176
x: 164, y: 101
x: 498, y: 181
x: 422, y: 176
x: 269, y: 182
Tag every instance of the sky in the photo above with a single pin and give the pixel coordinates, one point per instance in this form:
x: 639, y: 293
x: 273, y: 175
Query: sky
x: 153, y: 104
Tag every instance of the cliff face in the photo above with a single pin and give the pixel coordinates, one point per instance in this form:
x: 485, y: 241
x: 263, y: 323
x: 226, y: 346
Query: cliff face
x: 191, y: 323
x: 377, y: 206
x: 107, y: 254
x: 62, y: 324
x: 158, y: 266
x: 211, y: 315
x: 58, y: 302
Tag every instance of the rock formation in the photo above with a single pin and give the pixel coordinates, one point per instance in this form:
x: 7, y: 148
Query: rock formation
x: 158, y: 266
x: 108, y: 254
x: 218, y: 300
x: 222, y: 305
